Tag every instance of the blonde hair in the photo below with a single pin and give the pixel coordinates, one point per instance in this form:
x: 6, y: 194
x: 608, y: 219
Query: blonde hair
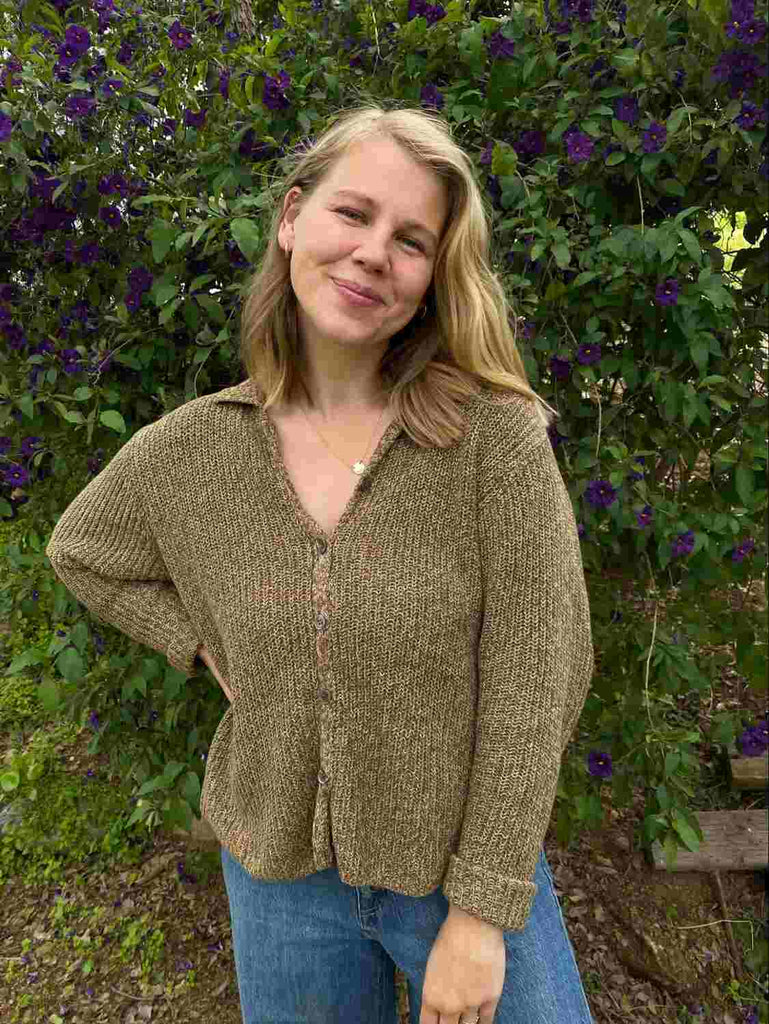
x: 464, y: 344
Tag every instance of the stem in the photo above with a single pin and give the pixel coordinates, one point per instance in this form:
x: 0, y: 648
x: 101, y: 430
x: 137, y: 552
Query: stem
x: 641, y: 201
x: 651, y: 645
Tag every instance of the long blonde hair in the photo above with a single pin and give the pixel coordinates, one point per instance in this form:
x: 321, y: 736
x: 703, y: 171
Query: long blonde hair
x: 465, y: 344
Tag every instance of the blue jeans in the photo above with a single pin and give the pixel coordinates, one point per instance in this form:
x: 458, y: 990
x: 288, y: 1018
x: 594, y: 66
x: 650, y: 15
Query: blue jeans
x: 318, y: 951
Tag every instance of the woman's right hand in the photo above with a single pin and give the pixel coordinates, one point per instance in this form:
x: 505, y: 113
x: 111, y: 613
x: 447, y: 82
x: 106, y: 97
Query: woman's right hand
x: 205, y: 656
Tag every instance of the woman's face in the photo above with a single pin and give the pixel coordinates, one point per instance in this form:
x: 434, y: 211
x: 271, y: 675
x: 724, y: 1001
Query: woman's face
x: 388, y: 244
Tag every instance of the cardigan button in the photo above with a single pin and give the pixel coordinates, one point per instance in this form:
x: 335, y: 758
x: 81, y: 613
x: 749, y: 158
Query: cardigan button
x: 322, y: 778
x: 323, y: 694
x: 321, y: 622
x: 321, y: 546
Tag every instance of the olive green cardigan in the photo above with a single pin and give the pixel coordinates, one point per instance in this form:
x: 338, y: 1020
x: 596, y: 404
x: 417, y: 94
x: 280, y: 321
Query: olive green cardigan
x: 403, y: 689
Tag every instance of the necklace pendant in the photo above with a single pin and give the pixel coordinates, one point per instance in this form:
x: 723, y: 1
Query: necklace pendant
x: 359, y: 467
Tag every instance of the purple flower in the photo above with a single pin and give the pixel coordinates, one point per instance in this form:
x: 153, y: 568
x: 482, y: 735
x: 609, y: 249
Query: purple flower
x: 644, y: 517
x: 753, y: 741
x: 740, y: 69
x: 560, y: 368
x: 750, y: 115
x: 125, y: 54
x: 78, y: 37
x: 499, y: 46
x: 599, y: 764
x: 530, y: 143
x: 6, y: 125
x: 753, y: 32
x: 79, y: 105
x: 587, y: 355
x: 140, y: 280
x: 181, y: 37
x: 274, y: 98
x: 111, y: 86
x: 654, y: 138
x: 743, y: 25
x: 194, y: 119
x: 667, y: 292
x: 683, y: 544
x: 111, y: 216
x: 582, y: 9
x: 742, y: 9
x: 747, y: 546
x: 600, y: 494
x: 579, y: 146
x: 626, y: 109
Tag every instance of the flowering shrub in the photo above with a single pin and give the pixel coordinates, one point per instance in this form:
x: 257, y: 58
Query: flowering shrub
x: 137, y: 156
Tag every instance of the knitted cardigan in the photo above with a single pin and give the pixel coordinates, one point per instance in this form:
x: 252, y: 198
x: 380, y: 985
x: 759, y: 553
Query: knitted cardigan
x: 411, y: 680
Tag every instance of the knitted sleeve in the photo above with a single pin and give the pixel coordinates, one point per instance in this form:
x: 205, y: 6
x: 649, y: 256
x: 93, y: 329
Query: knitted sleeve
x: 535, y: 663
x: 104, y: 552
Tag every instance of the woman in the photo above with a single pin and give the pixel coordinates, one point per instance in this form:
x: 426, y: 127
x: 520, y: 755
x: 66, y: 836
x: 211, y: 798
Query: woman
x: 370, y: 545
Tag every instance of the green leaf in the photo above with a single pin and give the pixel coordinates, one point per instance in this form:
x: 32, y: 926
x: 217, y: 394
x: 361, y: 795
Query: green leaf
x: 699, y: 351
x: 9, y: 780
x: 650, y: 163
x: 164, y: 293
x: 670, y: 846
x: 529, y: 66
x: 626, y: 58
x: 562, y: 255
x: 71, y: 665
x: 668, y: 246
x: 48, y: 695
x: 615, y: 158
x: 743, y: 482
x: 168, y: 311
x: 681, y: 217
x: 674, y: 121
x: 686, y: 832
x: 584, y: 277
x: 200, y: 231
x: 691, y: 244
x: 620, y: 130
x: 246, y: 234
x: 162, y: 235
x: 672, y: 187
x: 212, y: 307
x: 111, y: 418
x: 190, y: 788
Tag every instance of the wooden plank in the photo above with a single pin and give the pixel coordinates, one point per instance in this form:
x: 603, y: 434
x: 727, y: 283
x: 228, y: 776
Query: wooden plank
x: 732, y: 841
x: 749, y: 772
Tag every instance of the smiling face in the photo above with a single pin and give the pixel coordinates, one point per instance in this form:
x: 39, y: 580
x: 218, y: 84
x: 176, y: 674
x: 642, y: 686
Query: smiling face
x: 388, y: 244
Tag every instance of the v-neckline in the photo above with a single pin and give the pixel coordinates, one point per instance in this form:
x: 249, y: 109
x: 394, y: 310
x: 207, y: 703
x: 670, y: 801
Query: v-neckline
x: 307, y: 521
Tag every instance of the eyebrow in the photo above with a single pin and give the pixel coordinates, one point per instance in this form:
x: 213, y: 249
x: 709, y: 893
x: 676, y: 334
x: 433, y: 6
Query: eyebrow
x: 368, y: 201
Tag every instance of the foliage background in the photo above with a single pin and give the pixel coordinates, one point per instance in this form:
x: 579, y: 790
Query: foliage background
x: 617, y: 145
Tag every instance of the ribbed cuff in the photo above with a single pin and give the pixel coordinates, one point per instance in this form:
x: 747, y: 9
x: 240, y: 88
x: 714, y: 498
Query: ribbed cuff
x: 505, y: 902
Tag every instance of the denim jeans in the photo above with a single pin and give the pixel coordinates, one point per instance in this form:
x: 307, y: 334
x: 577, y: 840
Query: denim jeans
x: 318, y: 951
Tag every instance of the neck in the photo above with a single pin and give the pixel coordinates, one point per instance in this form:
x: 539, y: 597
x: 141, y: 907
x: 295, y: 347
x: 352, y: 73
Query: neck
x: 341, y: 407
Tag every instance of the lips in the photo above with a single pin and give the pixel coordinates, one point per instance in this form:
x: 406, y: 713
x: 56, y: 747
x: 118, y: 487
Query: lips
x: 360, y: 289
